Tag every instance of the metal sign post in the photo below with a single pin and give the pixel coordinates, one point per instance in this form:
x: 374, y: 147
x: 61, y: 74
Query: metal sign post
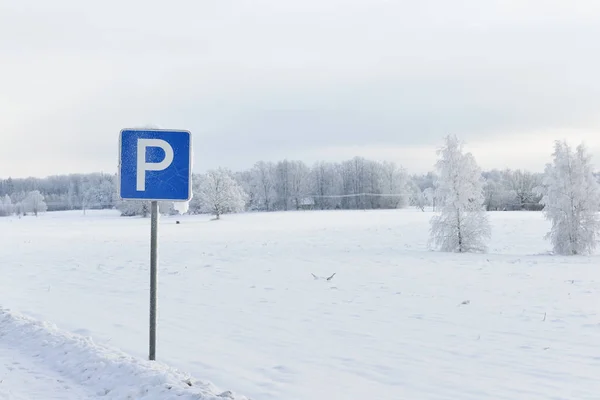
x: 153, y: 275
x: 155, y: 165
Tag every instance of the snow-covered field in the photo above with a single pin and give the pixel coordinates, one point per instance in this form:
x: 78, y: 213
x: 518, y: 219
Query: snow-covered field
x: 238, y: 307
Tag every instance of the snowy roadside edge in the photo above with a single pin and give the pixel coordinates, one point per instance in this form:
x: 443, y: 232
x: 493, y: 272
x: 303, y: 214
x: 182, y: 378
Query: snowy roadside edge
x: 105, y: 371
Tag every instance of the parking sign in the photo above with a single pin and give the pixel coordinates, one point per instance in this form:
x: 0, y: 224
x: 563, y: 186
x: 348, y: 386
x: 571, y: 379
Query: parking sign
x: 155, y: 164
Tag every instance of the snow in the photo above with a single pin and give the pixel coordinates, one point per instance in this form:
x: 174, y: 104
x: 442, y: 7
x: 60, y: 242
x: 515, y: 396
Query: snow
x: 37, y: 359
x: 181, y: 206
x: 238, y: 306
x: 23, y: 379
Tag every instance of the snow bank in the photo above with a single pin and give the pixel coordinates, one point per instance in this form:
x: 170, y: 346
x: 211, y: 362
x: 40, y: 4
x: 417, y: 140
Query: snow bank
x: 110, y: 373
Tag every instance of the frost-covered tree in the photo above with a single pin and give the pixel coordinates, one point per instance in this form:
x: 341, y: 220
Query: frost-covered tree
x: 298, y: 177
x: 292, y: 182
x: 429, y: 194
x: 219, y: 193
x: 421, y: 191
x: 463, y: 225
x: 263, y: 182
x: 6, y: 206
x: 19, y: 209
x: 195, y: 203
x: 571, y: 198
x: 354, y: 178
x: 97, y: 194
x: 34, y: 203
x: 244, y: 179
x: 522, y: 184
x: 325, y: 185
x: 418, y: 198
x: 62, y: 192
x: 282, y: 184
x: 394, y: 184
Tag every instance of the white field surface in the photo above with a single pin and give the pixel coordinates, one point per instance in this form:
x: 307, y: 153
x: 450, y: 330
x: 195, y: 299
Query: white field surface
x: 238, y: 307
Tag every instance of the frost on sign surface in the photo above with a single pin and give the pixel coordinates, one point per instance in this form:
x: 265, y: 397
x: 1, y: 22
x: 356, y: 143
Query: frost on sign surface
x: 155, y: 165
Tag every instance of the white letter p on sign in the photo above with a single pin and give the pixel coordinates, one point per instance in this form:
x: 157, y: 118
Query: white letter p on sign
x: 143, y: 166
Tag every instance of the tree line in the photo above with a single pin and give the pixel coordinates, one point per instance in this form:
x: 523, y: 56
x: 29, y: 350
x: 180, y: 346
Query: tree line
x: 568, y: 193
x: 358, y: 183
x: 63, y: 192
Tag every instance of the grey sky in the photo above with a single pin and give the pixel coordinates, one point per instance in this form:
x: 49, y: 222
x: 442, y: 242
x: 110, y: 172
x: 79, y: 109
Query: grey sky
x: 311, y: 79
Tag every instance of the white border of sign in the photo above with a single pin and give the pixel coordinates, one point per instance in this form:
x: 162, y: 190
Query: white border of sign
x: 190, y: 194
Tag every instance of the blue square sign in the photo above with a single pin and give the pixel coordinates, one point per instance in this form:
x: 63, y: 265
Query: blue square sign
x: 155, y: 164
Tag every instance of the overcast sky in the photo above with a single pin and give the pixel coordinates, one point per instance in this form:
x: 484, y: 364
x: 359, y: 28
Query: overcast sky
x: 305, y: 79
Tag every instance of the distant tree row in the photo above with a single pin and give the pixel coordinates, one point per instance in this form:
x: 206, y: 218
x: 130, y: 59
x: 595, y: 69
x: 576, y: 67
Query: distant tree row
x: 568, y: 192
x: 286, y: 185
x: 66, y: 192
x: 22, y: 203
x: 291, y: 185
x: 506, y: 190
x: 354, y: 184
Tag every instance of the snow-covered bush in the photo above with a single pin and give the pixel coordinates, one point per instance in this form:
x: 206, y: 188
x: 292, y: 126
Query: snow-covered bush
x: 132, y: 208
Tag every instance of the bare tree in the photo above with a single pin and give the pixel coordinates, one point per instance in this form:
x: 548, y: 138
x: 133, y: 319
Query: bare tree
x: 324, y: 184
x: 299, y: 182
x: 263, y: 175
x: 282, y: 184
x: 394, y: 182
